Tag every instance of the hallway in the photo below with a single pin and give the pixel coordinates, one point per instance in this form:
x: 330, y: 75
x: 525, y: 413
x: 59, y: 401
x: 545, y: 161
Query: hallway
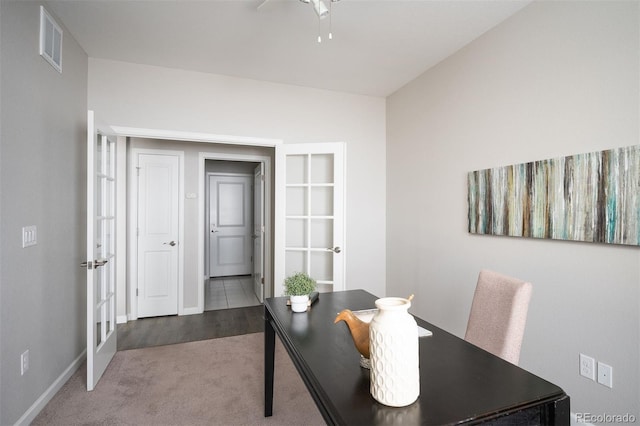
x: 229, y: 292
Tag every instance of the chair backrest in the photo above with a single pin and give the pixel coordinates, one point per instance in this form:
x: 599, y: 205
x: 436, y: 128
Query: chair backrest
x: 499, y: 314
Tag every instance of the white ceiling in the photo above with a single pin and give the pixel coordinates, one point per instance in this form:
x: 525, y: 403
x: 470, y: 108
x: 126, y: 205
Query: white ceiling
x: 378, y: 45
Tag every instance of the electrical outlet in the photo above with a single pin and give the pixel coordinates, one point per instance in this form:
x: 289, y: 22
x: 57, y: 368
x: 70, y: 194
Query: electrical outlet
x: 587, y: 367
x: 605, y: 374
x: 24, y: 362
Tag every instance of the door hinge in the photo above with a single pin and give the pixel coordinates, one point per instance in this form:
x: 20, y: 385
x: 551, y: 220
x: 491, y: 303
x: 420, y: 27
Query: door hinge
x: 138, y: 170
x: 262, y: 280
x: 136, y: 292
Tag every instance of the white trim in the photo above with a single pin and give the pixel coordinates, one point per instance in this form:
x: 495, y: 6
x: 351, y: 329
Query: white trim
x: 133, y: 240
x: 179, y: 135
x: 121, y: 229
x: 268, y: 256
x: 35, y: 409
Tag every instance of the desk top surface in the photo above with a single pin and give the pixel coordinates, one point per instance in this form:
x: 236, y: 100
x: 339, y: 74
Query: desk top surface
x: 458, y: 381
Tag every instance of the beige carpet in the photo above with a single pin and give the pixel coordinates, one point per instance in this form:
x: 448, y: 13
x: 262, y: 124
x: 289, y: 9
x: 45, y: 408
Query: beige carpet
x: 210, y: 382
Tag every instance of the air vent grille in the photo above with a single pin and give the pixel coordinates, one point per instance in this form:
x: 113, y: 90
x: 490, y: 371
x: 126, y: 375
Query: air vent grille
x: 50, y: 40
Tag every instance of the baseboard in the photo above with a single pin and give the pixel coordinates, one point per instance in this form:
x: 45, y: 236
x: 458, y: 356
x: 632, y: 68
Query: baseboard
x: 121, y: 319
x: 44, y: 399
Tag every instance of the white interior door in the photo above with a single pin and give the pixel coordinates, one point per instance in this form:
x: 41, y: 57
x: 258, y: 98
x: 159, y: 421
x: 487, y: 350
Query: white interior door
x: 309, y: 221
x: 158, y: 225
x: 100, y: 263
x: 231, y: 226
x: 258, y: 232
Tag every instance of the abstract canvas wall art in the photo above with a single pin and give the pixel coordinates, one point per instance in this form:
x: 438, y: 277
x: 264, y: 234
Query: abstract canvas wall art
x: 592, y: 197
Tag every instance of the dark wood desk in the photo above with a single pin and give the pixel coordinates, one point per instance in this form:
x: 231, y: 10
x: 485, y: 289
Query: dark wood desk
x: 459, y: 383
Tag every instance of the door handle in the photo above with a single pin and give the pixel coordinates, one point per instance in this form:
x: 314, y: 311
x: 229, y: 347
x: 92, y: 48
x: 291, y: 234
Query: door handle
x: 95, y: 263
x: 171, y: 243
x: 335, y: 249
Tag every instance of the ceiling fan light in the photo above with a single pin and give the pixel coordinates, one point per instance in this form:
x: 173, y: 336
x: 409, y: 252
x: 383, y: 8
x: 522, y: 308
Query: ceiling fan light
x: 320, y: 8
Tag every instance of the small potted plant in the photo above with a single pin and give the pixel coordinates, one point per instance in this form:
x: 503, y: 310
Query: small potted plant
x: 298, y: 287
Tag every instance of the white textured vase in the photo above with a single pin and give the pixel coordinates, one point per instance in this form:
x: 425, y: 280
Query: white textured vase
x: 393, y: 335
x: 299, y: 303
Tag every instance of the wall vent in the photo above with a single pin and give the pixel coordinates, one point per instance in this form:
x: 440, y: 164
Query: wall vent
x: 50, y: 40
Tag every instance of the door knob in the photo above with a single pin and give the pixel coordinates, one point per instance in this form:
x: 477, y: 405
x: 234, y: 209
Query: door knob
x: 171, y: 243
x: 335, y: 249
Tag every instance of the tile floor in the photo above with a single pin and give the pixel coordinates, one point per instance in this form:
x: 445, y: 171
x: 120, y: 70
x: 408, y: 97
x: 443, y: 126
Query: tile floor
x: 229, y: 292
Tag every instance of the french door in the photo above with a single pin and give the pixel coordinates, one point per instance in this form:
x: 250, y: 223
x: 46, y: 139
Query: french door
x: 309, y: 221
x: 100, y: 263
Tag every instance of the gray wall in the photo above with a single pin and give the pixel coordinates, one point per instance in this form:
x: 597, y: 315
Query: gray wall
x: 42, y: 183
x: 556, y: 79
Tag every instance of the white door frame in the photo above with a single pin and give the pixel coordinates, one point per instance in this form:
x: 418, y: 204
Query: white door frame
x: 133, y: 237
x: 176, y: 135
x: 202, y: 226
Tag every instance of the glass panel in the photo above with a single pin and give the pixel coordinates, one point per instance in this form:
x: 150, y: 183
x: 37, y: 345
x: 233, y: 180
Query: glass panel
x: 108, y: 147
x: 322, y: 168
x: 99, y: 280
x: 108, y: 279
x: 107, y: 319
x: 296, y: 201
x: 322, y: 233
x: 296, y: 233
x: 322, y: 201
x: 107, y: 247
x: 109, y: 198
x: 99, y: 196
x: 98, y: 156
x: 98, y: 238
x: 98, y: 325
x: 295, y: 261
x: 296, y: 169
x: 322, y: 265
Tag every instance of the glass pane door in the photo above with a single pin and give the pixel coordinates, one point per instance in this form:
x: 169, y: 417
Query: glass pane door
x: 311, y: 214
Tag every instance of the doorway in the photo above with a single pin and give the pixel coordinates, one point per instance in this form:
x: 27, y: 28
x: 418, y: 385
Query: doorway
x: 233, y: 261
x: 220, y: 289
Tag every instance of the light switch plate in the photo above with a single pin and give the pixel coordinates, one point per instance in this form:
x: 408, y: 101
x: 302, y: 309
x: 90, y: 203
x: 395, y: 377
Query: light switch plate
x: 29, y: 236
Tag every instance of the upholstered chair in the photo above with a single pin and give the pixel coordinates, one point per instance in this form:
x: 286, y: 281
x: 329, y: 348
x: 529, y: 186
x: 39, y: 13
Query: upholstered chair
x: 499, y: 314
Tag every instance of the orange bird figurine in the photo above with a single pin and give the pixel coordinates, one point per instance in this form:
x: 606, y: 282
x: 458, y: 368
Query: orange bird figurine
x: 359, y: 331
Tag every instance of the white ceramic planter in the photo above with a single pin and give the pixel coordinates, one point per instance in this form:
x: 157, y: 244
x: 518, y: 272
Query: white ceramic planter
x: 393, y: 335
x: 299, y: 303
